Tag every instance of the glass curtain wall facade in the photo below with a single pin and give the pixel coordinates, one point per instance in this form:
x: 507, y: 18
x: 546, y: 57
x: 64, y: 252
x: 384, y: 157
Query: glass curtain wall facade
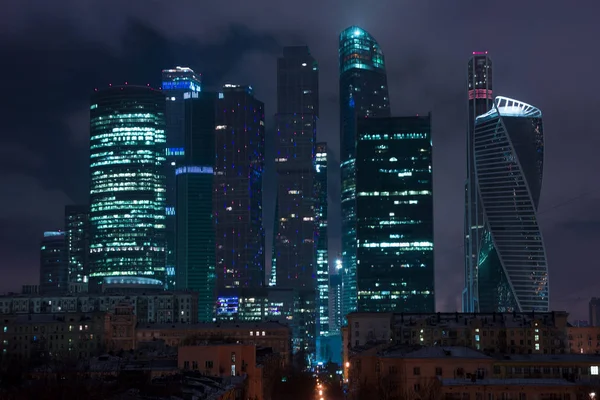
x: 178, y: 84
x: 480, y: 101
x: 509, y: 157
x: 323, y: 326
x: 322, y: 240
x: 127, y: 186
x: 363, y: 93
x: 77, y: 235
x: 237, y: 197
x: 53, y: 264
x: 394, y: 208
x: 195, y: 231
x: 296, y: 226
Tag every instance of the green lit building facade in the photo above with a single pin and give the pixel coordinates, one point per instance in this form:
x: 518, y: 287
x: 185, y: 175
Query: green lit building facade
x: 363, y: 93
x: 127, y: 187
x: 394, y: 208
x: 195, y: 238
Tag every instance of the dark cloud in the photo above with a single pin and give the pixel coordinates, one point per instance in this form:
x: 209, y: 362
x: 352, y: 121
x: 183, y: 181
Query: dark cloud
x: 543, y: 54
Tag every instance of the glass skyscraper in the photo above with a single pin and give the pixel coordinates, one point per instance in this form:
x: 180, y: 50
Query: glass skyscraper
x: 53, y: 264
x: 363, y: 93
x: 322, y: 240
x: 178, y: 84
x: 480, y: 100
x: 77, y: 236
x: 195, y: 238
x: 322, y: 313
x: 296, y: 226
x: 127, y: 187
x: 394, y: 209
x: 509, y: 157
x: 237, y: 198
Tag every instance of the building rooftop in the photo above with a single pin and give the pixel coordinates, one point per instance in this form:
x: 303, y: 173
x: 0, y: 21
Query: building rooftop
x: 507, y: 382
x: 435, y: 352
x: 550, y: 358
x: 216, y: 325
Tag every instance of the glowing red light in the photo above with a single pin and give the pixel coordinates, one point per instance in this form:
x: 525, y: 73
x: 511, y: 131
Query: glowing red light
x: 480, y: 94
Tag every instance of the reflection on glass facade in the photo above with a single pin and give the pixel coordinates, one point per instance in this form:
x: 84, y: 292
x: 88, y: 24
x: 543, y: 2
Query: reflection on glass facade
x: 53, y: 264
x: 322, y: 242
x: 237, y: 197
x: 363, y: 93
x: 394, y: 208
x: 178, y: 84
x: 509, y: 155
x: 195, y: 231
x: 127, y: 186
x: 77, y: 235
x: 479, y: 89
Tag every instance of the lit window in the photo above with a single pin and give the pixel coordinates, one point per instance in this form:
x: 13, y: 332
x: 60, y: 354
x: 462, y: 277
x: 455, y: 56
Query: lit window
x: 594, y: 370
x: 251, y: 333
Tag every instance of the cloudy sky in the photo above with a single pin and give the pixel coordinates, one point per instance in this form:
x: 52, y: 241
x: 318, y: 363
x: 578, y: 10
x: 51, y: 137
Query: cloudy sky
x: 545, y: 52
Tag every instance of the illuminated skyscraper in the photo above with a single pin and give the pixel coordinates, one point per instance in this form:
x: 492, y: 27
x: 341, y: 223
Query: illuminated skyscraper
x: 296, y: 229
x: 479, y: 87
x: 394, y: 209
x: 237, y: 200
x: 178, y: 84
x: 127, y: 187
x: 195, y: 238
x: 363, y: 93
x: 53, y: 264
x: 77, y: 235
x: 322, y: 242
x: 509, y: 160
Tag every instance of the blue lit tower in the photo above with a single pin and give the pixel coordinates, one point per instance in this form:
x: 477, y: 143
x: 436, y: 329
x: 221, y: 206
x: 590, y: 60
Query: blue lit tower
x: 480, y: 100
x: 363, y: 93
x: 178, y: 84
x: 237, y: 197
x: 296, y: 226
x: 509, y: 156
x: 127, y: 187
x: 195, y: 231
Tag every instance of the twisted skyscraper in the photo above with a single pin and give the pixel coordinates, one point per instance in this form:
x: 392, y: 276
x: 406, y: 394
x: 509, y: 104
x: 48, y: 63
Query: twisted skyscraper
x: 509, y: 155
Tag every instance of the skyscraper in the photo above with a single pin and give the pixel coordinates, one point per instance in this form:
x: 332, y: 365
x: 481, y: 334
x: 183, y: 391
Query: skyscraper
x: 363, y: 93
x: 322, y: 241
x: 509, y: 156
x: 178, y: 84
x: 237, y: 200
x: 77, y: 236
x: 127, y: 187
x: 394, y: 212
x: 296, y: 119
x: 195, y: 238
x: 53, y: 264
x: 480, y: 100
x: 296, y: 226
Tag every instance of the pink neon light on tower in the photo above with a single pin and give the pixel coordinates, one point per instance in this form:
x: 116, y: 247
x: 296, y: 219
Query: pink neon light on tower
x: 479, y: 53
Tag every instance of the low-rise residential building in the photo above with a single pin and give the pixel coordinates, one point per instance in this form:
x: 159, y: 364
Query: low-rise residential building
x: 37, y: 337
x: 261, y: 334
x: 155, y: 307
x: 467, y: 374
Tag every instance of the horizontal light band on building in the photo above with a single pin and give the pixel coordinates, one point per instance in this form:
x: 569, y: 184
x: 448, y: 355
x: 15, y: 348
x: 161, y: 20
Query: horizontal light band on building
x: 194, y: 170
x: 181, y: 85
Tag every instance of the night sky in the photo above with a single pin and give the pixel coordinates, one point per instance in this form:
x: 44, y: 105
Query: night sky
x: 545, y: 52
